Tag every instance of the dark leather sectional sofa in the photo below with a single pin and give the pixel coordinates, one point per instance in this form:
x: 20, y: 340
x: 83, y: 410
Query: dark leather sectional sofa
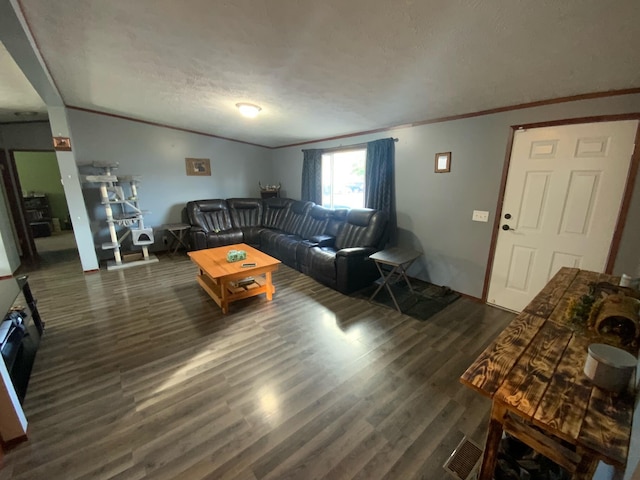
x: 332, y: 246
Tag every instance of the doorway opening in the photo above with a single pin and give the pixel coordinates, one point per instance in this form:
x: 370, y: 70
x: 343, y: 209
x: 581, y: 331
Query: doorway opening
x: 44, y: 215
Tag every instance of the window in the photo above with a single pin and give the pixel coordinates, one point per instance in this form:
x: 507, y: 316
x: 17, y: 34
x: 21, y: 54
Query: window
x: 343, y: 178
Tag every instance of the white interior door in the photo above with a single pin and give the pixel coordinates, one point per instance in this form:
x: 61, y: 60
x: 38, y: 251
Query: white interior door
x: 562, y: 201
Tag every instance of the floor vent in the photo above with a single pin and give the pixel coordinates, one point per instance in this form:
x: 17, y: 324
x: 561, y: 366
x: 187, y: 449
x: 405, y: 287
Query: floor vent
x: 464, y: 460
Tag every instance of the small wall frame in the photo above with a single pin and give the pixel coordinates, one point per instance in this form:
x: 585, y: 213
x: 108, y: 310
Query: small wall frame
x: 200, y: 167
x: 443, y: 162
x: 62, y: 144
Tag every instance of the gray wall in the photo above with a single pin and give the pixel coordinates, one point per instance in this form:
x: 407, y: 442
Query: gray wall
x: 26, y: 136
x: 155, y: 153
x: 434, y: 210
x: 158, y: 155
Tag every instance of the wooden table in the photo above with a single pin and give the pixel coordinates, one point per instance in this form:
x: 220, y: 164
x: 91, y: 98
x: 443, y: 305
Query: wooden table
x: 219, y: 278
x: 533, y: 373
x: 399, y: 259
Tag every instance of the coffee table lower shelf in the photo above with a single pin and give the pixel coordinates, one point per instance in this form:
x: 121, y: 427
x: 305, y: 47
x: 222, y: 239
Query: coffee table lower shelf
x: 224, y: 292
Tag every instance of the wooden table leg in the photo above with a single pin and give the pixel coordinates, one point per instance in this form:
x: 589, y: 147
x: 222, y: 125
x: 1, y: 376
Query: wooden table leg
x: 381, y: 283
x: 224, y: 298
x: 404, y: 275
x: 494, y: 435
x: 385, y: 283
x: 270, y: 288
x: 587, y: 466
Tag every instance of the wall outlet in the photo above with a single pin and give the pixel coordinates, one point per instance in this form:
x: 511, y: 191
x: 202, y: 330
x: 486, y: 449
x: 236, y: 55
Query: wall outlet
x: 480, y: 216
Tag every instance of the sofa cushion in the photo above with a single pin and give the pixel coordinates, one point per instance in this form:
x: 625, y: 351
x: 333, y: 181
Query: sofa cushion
x: 295, y: 218
x: 210, y: 215
x: 336, y: 222
x: 322, y: 264
x: 246, y: 215
x: 316, y: 221
x: 268, y: 240
x: 303, y: 259
x: 285, y: 249
x: 251, y: 236
x: 222, y: 238
x: 275, y: 212
x: 245, y: 212
x: 363, y: 227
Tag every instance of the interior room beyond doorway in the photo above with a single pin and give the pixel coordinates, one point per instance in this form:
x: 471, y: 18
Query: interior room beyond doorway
x: 45, y: 202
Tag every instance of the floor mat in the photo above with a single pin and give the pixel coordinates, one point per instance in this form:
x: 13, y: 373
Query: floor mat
x: 425, y: 300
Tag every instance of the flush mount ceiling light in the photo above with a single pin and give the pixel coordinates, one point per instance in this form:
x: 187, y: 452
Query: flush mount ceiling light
x: 248, y: 109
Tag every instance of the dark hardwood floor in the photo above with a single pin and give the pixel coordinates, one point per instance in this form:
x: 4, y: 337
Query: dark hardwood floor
x: 139, y: 375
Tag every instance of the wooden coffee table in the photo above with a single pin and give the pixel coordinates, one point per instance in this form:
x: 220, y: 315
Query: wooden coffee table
x: 223, y: 280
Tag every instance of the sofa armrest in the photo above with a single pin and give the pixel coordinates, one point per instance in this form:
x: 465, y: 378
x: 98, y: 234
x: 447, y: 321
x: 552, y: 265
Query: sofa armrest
x: 323, y: 240
x: 354, y: 252
x: 354, y: 269
x: 198, y: 238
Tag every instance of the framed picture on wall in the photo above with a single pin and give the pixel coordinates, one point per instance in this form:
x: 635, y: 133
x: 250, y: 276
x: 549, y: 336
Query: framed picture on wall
x: 62, y: 144
x: 443, y: 162
x: 198, y: 167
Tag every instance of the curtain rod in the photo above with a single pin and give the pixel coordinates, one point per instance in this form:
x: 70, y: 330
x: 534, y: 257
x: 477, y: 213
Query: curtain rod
x: 345, y: 147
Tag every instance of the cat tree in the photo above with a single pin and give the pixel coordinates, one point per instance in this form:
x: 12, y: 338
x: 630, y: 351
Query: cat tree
x: 122, y: 212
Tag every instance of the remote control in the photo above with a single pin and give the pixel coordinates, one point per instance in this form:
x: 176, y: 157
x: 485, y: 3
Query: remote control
x: 244, y: 265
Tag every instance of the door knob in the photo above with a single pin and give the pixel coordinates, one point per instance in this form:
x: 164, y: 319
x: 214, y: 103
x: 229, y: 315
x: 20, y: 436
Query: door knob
x: 506, y: 227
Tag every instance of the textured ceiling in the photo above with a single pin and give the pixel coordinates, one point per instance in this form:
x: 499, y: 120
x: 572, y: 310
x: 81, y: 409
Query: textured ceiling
x: 331, y: 67
x: 16, y: 93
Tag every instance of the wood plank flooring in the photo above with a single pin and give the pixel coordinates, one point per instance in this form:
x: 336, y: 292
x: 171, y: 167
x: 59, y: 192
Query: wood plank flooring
x: 139, y: 375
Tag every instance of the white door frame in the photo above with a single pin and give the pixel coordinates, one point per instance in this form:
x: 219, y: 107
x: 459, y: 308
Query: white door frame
x: 626, y: 199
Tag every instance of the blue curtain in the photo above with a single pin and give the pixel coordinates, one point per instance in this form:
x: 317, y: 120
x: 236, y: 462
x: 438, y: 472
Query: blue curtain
x: 380, y: 180
x: 312, y: 176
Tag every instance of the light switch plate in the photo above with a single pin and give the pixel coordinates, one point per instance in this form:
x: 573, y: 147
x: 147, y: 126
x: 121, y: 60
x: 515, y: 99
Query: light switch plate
x: 480, y: 216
